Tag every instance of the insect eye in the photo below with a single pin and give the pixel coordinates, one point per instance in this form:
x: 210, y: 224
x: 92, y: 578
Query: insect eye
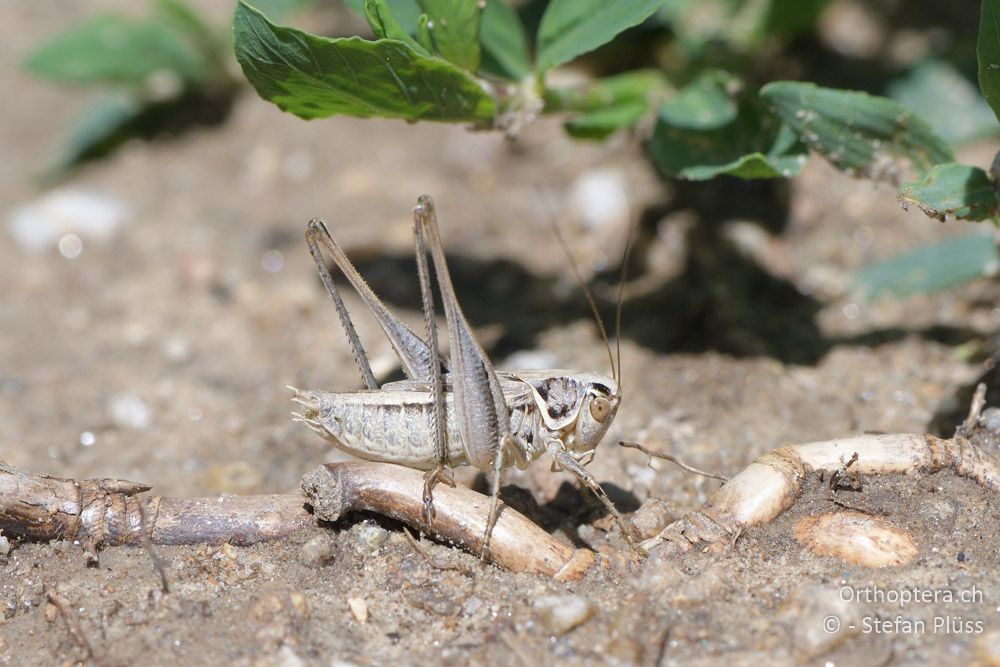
x: 600, y: 408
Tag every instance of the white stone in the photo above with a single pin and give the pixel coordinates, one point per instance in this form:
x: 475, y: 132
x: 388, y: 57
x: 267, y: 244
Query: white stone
x: 65, y: 212
x: 561, y: 613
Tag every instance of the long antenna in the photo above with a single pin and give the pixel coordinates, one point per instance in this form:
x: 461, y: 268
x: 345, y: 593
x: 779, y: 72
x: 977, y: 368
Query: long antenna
x: 618, y: 304
x: 586, y: 291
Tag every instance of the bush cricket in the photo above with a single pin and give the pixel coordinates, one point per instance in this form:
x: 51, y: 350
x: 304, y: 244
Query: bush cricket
x: 459, y: 410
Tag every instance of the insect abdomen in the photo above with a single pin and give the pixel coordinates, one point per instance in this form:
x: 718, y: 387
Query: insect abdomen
x: 396, y: 427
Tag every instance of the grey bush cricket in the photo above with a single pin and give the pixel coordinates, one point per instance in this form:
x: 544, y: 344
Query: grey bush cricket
x: 459, y: 410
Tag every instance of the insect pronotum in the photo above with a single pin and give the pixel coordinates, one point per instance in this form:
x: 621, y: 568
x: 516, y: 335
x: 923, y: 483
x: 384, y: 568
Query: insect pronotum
x: 459, y: 410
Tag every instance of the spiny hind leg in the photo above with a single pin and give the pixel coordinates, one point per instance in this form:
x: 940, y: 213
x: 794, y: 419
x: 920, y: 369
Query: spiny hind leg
x: 442, y: 471
x: 567, y: 462
x: 481, y: 412
x: 317, y: 236
x: 413, y: 352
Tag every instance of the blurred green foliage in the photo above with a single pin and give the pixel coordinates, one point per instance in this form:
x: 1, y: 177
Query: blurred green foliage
x: 153, y: 75
x: 706, y: 83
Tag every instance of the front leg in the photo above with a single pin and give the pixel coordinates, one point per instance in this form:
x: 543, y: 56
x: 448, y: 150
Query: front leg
x: 565, y: 461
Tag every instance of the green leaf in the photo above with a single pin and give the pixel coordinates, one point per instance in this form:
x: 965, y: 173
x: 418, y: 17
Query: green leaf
x: 424, y: 34
x: 697, y: 23
x: 939, y: 93
x: 635, y: 86
x: 406, y: 12
x: 740, y: 26
x: 599, y: 124
x: 791, y: 17
x: 385, y: 25
x: 188, y: 20
x: 95, y: 130
x: 210, y: 42
x: 504, y: 43
x: 857, y: 132
x: 314, y: 76
x: 702, y: 134
x: 607, y: 104
x: 110, y: 48
x: 454, y: 29
x: 280, y: 8
x: 705, y: 103
x: 570, y: 28
x: 988, y: 53
x: 952, y: 189
x: 931, y: 268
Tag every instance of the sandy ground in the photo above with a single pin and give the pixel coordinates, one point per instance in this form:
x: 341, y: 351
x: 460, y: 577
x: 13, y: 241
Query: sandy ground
x: 161, y: 354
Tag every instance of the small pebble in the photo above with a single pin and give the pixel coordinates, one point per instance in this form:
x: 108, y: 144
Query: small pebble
x: 707, y: 585
x: 623, y: 651
x: 359, y: 608
x: 600, y: 196
x: 472, y: 605
x: 66, y: 215
x: 177, y: 350
x: 317, y: 552
x: 561, y: 613
x: 372, y: 536
x: 660, y: 573
x: 128, y: 410
x: 4, y: 546
x: 652, y: 517
x: 991, y: 420
x: 436, y: 600
x: 286, y: 657
x: 822, y: 620
x: 856, y: 538
x: 277, y: 614
x: 939, y: 509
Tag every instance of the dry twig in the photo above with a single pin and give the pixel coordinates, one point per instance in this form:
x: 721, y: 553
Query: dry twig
x: 108, y: 512
x: 517, y: 544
